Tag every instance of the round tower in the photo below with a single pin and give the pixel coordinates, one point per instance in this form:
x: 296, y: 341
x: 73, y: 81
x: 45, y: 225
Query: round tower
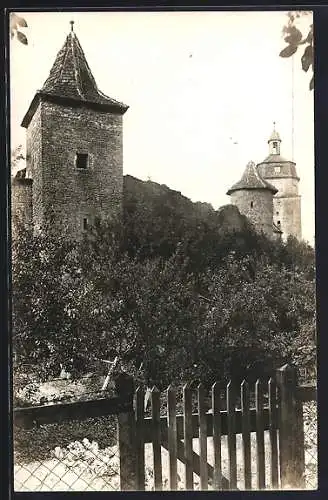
x: 253, y: 197
x: 281, y: 173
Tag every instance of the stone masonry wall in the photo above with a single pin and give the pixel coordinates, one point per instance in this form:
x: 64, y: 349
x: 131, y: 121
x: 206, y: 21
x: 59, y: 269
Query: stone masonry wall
x: 257, y: 205
x: 21, y: 203
x: 287, y: 206
x: 68, y: 195
x: 286, y: 186
x: 34, y: 166
x: 287, y: 215
x: 276, y: 170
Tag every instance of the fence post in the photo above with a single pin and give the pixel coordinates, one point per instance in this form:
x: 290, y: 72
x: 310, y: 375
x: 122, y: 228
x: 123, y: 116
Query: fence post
x: 124, y: 385
x: 291, y: 433
x: 299, y: 442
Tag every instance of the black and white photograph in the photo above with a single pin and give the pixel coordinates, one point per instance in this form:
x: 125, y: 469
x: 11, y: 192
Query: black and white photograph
x: 163, y: 274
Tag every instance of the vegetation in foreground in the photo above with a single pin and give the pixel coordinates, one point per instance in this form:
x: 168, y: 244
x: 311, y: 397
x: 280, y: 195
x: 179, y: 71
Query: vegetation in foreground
x: 175, y: 290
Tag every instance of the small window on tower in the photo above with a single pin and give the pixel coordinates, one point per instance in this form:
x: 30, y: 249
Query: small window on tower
x: 81, y: 160
x: 277, y: 170
x: 252, y: 204
x: 278, y: 222
x: 85, y: 223
x: 275, y: 147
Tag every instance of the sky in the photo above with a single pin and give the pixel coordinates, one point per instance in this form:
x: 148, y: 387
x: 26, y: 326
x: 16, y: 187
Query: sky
x: 203, y: 90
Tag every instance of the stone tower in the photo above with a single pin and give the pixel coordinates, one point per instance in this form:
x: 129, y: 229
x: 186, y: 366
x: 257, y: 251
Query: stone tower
x: 282, y: 174
x: 74, y: 148
x: 253, y: 196
x: 21, y: 189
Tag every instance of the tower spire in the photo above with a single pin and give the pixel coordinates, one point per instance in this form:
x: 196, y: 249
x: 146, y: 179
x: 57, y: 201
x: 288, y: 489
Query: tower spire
x: 70, y: 78
x: 274, y: 141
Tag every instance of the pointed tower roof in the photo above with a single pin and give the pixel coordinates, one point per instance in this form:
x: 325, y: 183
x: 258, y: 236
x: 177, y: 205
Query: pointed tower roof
x: 251, y: 179
x: 70, y: 81
x: 274, y: 158
x: 274, y: 135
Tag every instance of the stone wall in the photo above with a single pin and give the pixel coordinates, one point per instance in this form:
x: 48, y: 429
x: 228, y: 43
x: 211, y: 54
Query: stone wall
x: 257, y: 206
x: 276, y: 170
x: 21, y: 203
x: 287, y: 202
x: 287, y: 215
x: 230, y: 219
x: 34, y: 166
x: 286, y: 186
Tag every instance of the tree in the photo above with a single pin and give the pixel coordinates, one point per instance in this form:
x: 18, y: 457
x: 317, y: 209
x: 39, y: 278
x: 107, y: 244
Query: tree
x: 45, y: 332
x: 148, y: 319
x: 15, y: 23
x: 66, y: 309
x: 295, y: 39
x: 215, y: 305
x: 256, y: 319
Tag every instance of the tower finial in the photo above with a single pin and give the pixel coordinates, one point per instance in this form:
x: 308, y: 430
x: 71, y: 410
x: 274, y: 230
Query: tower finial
x: 274, y: 125
x: 72, y: 24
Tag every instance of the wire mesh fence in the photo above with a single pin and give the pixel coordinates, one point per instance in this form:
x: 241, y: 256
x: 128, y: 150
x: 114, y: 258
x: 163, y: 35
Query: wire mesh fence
x: 69, y: 456
x: 66, y: 431
x: 310, y: 444
x: 81, y: 453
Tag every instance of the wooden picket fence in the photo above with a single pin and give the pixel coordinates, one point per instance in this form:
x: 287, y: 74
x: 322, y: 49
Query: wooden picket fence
x: 275, y: 407
x: 277, y: 410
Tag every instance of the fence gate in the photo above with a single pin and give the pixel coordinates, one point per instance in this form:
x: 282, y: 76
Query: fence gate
x: 246, y: 437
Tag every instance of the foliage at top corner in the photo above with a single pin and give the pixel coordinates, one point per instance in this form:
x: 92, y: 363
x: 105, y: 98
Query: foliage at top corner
x: 17, y: 22
x: 295, y: 39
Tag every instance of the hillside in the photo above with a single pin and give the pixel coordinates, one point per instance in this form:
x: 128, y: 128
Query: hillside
x: 157, y: 218
x: 162, y: 200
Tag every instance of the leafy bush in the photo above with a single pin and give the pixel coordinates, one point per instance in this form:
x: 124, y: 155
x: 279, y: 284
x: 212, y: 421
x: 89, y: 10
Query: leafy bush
x: 187, y: 297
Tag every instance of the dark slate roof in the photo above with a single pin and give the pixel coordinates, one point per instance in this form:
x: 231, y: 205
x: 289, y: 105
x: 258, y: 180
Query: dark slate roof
x: 274, y: 158
x: 251, y: 179
x: 71, y: 80
x: 21, y: 174
x: 20, y: 177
